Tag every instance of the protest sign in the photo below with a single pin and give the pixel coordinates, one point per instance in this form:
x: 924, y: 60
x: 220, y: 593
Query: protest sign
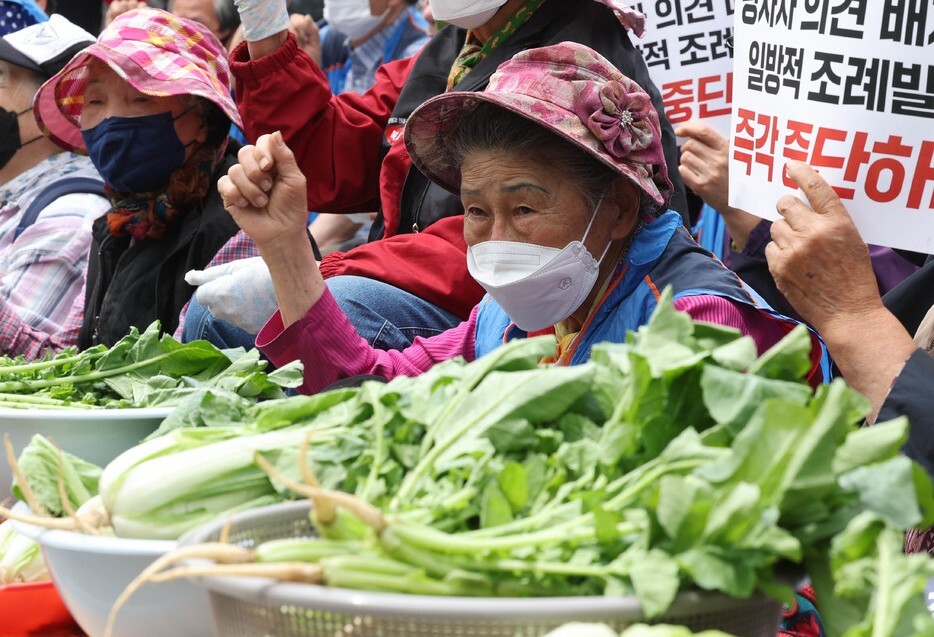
x: 686, y: 48
x: 848, y: 87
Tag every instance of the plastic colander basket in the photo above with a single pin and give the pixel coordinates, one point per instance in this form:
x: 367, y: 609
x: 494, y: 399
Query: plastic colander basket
x: 251, y: 607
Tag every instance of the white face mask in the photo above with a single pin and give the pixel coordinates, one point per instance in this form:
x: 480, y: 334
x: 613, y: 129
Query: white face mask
x: 351, y: 17
x: 466, y: 14
x: 537, y: 286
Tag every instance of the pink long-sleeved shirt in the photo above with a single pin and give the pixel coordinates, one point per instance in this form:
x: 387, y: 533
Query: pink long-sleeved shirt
x: 330, y: 348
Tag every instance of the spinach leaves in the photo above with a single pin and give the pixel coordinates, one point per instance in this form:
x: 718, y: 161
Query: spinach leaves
x: 141, y: 369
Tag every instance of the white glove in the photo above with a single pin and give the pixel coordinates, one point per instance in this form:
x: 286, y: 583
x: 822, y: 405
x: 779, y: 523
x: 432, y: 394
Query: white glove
x: 239, y: 292
x: 262, y: 18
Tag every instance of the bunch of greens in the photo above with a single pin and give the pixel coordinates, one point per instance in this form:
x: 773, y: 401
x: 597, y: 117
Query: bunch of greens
x: 677, y: 460
x: 44, y: 465
x: 141, y: 369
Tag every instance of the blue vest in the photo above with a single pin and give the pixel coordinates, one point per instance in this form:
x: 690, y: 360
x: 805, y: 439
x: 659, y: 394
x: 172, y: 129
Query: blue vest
x: 662, y: 254
x: 710, y: 231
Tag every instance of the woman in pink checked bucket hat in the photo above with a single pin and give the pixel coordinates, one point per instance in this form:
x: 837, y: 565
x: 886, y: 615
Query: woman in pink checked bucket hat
x: 560, y: 169
x: 150, y: 103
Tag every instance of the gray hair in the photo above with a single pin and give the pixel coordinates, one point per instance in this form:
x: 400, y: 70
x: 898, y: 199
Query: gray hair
x: 228, y: 19
x: 227, y: 16
x: 215, y: 119
x: 487, y: 127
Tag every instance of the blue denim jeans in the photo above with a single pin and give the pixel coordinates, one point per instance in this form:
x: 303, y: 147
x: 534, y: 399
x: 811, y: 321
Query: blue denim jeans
x: 387, y: 317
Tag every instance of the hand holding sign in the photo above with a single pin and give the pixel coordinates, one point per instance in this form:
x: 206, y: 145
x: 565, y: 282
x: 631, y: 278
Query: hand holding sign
x: 818, y: 259
x: 705, y: 163
x: 843, y: 92
x: 822, y: 266
x: 705, y: 170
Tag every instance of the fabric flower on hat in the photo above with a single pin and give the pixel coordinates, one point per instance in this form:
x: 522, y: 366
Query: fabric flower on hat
x: 622, y: 121
x: 630, y: 18
x: 568, y: 89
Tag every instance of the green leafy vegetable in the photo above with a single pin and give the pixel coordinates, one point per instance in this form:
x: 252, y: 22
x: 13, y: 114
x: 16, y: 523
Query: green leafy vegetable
x: 676, y: 460
x: 42, y: 463
x: 140, y: 370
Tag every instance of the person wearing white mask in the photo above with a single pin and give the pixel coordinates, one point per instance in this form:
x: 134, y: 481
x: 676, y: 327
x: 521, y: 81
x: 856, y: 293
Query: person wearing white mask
x: 466, y: 15
x: 560, y: 169
x: 360, y: 36
x: 411, y: 278
x: 367, y: 34
x: 429, y: 16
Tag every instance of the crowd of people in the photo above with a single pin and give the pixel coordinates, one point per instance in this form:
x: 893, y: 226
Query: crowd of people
x: 345, y: 184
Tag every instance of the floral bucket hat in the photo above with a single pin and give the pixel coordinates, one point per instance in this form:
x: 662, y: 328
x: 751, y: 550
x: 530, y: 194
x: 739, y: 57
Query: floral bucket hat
x: 568, y: 89
x: 156, y: 53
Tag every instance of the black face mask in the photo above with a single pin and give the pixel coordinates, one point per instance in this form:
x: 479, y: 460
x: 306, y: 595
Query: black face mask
x: 10, y: 141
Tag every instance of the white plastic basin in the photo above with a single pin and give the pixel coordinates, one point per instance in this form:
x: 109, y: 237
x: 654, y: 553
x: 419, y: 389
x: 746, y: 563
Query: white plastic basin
x: 90, y: 572
x: 97, y: 436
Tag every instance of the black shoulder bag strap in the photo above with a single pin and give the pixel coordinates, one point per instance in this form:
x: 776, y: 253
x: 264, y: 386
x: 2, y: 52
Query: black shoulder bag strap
x: 62, y: 187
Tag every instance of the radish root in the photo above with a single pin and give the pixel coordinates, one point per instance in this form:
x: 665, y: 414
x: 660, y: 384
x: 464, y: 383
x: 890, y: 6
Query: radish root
x: 325, y: 511
x: 58, y: 524
x: 367, y: 513
x: 69, y: 510
x: 28, y: 494
x: 284, y: 572
x: 223, y: 553
x: 224, y: 536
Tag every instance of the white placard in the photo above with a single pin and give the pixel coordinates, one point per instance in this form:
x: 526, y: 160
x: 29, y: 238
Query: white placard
x: 686, y: 48
x: 848, y: 87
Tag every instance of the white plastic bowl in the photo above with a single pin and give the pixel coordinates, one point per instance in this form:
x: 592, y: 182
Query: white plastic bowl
x: 98, y: 435
x: 90, y: 572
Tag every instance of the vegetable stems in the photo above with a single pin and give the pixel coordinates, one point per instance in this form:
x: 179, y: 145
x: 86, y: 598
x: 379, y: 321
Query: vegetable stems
x: 23, y: 385
x: 23, y: 368
x: 25, y: 401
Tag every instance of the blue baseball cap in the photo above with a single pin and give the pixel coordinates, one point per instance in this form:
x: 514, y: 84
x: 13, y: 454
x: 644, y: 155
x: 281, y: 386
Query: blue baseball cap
x: 18, y: 14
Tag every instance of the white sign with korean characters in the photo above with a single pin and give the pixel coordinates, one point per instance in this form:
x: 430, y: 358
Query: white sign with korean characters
x: 687, y: 49
x: 848, y: 87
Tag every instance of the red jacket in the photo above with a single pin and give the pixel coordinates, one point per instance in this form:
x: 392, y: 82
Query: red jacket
x: 336, y: 140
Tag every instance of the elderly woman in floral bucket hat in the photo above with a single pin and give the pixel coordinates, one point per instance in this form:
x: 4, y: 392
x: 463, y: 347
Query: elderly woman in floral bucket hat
x: 150, y: 103
x: 560, y: 169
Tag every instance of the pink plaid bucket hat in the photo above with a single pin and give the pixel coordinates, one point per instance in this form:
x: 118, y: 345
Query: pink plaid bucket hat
x: 568, y: 89
x: 156, y: 53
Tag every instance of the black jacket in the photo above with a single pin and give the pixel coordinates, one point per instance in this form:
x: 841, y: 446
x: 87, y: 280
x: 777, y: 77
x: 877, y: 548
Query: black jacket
x: 134, y: 285
x: 911, y: 393
x: 911, y: 299
x: 911, y: 396
x: 582, y: 21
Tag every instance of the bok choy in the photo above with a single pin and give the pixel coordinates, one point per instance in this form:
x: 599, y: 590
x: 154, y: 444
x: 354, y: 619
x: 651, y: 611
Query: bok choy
x: 20, y: 558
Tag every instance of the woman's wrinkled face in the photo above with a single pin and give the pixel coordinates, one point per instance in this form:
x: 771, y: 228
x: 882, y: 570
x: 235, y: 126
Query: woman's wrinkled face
x: 511, y: 198
x: 108, y: 95
x: 16, y: 87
